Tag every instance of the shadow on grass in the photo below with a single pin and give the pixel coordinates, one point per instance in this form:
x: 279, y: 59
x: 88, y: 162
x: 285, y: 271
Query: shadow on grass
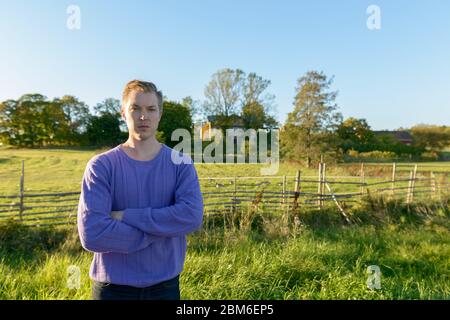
x: 21, y: 245
x: 369, y: 222
x: 367, y: 230
x: 4, y: 160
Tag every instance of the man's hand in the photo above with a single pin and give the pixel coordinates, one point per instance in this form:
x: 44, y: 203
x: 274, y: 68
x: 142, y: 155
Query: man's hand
x: 117, y: 215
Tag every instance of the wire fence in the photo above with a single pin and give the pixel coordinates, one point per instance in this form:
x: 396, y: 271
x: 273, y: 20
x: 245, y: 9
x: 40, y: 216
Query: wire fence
x: 274, y: 194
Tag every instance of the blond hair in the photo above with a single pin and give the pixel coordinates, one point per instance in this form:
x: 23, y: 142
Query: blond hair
x: 141, y: 86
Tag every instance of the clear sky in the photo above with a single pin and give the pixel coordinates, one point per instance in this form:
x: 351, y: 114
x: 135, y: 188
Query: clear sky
x: 397, y: 76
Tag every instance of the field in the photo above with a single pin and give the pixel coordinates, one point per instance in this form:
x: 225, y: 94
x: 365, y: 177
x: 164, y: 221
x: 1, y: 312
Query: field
x: 312, y: 262
x: 61, y: 170
x: 317, y: 257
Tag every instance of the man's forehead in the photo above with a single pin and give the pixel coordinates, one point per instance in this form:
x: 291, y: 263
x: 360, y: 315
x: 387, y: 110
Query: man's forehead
x: 142, y: 98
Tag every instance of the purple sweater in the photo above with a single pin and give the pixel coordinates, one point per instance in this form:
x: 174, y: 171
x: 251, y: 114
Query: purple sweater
x: 162, y: 203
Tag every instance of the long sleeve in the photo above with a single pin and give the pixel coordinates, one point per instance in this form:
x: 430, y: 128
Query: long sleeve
x: 98, y: 232
x: 181, y: 218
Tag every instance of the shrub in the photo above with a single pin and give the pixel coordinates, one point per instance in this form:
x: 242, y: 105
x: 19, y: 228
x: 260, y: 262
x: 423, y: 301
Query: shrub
x: 372, y: 155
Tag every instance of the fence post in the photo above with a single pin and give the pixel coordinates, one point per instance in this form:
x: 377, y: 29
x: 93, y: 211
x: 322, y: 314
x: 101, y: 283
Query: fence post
x: 234, y: 196
x: 394, y: 169
x: 22, y: 188
x: 283, y: 199
x: 297, y: 188
x: 438, y: 188
x: 433, y: 184
x: 319, y: 186
x: 413, y: 182
x: 296, y: 196
x: 297, y: 181
x: 324, y: 177
x: 408, y: 193
x: 363, y: 179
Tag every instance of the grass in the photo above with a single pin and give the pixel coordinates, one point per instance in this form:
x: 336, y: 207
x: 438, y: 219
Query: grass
x: 319, y: 257
x: 258, y: 257
x: 61, y: 170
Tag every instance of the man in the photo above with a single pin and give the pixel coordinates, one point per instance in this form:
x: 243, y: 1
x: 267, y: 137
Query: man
x: 136, y: 207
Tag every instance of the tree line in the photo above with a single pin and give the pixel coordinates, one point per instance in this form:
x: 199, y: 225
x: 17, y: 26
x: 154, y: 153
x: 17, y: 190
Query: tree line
x: 314, y: 128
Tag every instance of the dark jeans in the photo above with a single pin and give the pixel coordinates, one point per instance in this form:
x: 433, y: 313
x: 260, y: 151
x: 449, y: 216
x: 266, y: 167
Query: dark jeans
x: 167, y: 290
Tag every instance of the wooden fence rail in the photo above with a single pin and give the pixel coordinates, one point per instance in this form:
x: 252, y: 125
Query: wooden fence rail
x: 277, y: 193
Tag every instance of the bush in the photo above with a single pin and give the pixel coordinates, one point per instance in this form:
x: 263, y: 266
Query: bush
x: 429, y: 156
x: 372, y: 156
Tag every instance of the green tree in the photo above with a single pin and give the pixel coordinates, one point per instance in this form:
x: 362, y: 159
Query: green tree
x: 194, y: 108
x: 109, y: 105
x: 431, y: 138
x: 232, y: 93
x: 78, y: 116
x: 255, y: 117
x: 104, y: 130
x: 355, y: 134
x: 309, y: 129
x: 32, y: 121
x: 175, y: 116
x: 113, y: 107
x: 257, y: 104
x: 223, y: 93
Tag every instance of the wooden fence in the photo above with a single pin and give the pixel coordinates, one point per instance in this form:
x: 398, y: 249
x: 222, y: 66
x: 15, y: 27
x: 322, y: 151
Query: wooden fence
x: 276, y: 194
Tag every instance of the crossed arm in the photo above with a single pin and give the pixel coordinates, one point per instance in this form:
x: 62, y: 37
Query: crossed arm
x: 103, y: 230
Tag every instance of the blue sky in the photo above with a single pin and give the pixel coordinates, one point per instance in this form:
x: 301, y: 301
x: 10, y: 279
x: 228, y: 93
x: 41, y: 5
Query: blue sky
x: 394, y: 77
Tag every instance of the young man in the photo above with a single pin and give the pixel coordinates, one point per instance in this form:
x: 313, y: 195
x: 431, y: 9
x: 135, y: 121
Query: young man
x: 136, y: 207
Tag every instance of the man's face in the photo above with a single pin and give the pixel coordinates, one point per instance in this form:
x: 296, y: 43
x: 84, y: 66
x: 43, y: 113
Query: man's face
x: 141, y: 114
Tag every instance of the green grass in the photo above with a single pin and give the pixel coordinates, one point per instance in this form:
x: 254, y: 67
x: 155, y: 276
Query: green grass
x: 320, y: 258
x: 60, y: 170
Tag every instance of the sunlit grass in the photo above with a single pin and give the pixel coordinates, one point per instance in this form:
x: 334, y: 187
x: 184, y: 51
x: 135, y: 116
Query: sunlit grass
x: 325, y: 261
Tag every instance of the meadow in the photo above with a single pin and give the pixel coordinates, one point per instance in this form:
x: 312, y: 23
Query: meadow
x: 315, y: 256
x: 319, y: 259
x: 61, y: 170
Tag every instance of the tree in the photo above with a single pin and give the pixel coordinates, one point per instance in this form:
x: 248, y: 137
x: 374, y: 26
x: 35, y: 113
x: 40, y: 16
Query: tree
x: 431, y: 138
x: 32, y: 121
x: 7, y: 109
x: 223, y: 92
x: 175, y: 116
x: 78, y: 115
x: 257, y: 104
x: 255, y: 117
x: 232, y: 93
x: 309, y: 128
x: 109, y: 105
x: 355, y: 134
x: 113, y: 107
x: 104, y: 130
x: 193, y: 106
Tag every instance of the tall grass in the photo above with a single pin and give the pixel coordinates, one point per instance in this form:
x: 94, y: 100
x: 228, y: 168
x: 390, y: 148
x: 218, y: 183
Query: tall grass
x: 310, y: 255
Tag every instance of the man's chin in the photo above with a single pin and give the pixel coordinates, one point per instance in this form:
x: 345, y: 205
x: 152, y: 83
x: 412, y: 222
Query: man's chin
x: 143, y: 136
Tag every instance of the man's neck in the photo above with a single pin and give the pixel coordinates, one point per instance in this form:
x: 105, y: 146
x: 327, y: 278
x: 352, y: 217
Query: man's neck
x: 142, y: 150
